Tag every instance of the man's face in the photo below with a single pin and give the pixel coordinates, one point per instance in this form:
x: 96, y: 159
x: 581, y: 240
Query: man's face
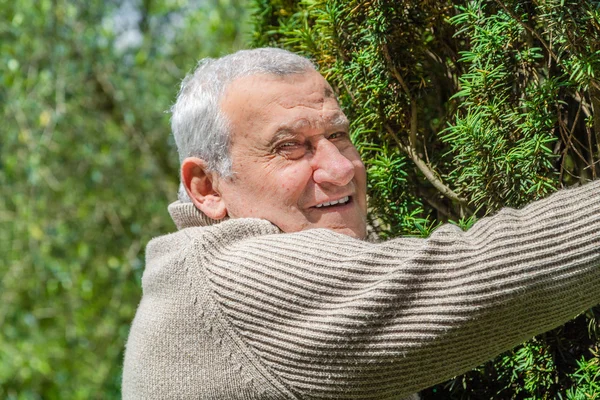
x: 293, y: 161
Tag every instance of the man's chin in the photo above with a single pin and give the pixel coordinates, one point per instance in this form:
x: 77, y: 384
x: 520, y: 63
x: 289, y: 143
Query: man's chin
x: 357, y: 231
x: 351, y: 224
x: 347, y: 220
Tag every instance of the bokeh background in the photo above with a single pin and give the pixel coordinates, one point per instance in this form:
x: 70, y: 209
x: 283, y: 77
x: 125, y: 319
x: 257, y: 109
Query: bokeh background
x: 87, y: 167
x: 458, y: 107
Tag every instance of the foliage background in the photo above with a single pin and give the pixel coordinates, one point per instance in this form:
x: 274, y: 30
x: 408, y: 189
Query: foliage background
x: 87, y: 167
x: 458, y: 107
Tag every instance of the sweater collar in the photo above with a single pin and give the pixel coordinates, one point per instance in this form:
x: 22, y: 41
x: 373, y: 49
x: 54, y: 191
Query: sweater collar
x: 186, y: 215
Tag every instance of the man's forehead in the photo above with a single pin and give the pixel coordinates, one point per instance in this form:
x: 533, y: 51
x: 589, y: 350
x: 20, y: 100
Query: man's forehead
x: 264, y: 106
x: 309, y: 81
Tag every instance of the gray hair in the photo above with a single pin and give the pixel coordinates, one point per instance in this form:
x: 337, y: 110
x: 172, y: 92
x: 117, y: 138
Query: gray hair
x: 199, y: 126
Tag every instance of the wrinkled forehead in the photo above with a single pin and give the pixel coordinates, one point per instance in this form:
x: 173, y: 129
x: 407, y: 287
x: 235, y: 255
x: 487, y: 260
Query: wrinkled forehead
x: 288, y: 89
x: 263, y: 102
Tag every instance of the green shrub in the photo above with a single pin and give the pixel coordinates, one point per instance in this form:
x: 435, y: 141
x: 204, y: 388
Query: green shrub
x: 460, y: 108
x: 86, y: 172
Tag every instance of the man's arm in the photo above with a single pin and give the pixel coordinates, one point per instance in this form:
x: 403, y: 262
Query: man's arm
x: 334, y: 317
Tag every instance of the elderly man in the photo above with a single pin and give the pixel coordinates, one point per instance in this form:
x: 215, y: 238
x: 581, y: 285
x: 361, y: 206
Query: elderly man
x: 267, y: 290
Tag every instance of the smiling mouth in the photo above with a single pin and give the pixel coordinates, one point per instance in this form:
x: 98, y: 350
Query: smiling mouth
x: 340, y: 202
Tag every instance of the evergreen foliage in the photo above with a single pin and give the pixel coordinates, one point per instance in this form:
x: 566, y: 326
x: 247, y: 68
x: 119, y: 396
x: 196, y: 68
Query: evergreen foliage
x: 460, y: 108
x: 86, y: 172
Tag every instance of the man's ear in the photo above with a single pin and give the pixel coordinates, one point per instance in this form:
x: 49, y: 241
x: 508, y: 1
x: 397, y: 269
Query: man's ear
x: 200, y: 186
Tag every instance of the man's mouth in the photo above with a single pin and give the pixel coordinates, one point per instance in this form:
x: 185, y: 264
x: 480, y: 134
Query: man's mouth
x: 341, y: 201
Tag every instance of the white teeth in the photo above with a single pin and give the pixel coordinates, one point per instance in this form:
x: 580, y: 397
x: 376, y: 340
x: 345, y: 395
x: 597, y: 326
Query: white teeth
x: 333, y: 202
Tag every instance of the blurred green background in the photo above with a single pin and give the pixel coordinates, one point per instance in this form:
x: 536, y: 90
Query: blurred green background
x: 87, y: 167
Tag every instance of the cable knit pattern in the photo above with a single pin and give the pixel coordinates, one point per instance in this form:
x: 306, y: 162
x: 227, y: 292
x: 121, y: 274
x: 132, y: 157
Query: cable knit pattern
x: 320, y: 315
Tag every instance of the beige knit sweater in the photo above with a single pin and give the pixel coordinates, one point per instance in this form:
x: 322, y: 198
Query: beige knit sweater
x: 239, y: 310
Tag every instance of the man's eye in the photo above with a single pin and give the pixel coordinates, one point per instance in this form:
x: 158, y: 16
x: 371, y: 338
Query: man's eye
x: 337, y: 135
x: 292, y: 150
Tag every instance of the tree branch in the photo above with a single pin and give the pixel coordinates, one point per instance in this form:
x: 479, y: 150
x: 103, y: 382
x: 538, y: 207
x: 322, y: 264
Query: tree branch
x: 411, y: 149
x: 595, y: 98
x: 529, y: 29
x: 430, y: 175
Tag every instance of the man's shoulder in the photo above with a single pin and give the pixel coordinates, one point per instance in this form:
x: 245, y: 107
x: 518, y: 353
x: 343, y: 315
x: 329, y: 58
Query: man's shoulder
x: 168, y: 243
x: 225, y: 232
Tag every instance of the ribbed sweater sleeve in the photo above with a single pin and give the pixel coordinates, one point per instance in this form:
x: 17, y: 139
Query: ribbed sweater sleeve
x: 337, y: 318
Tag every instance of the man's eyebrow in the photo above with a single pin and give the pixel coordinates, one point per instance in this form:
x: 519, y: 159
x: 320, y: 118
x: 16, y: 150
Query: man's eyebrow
x: 339, y: 121
x: 288, y: 131
x: 295, y: 126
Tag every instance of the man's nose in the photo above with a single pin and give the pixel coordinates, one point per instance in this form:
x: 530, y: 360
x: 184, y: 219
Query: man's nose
x: 331, y: 166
